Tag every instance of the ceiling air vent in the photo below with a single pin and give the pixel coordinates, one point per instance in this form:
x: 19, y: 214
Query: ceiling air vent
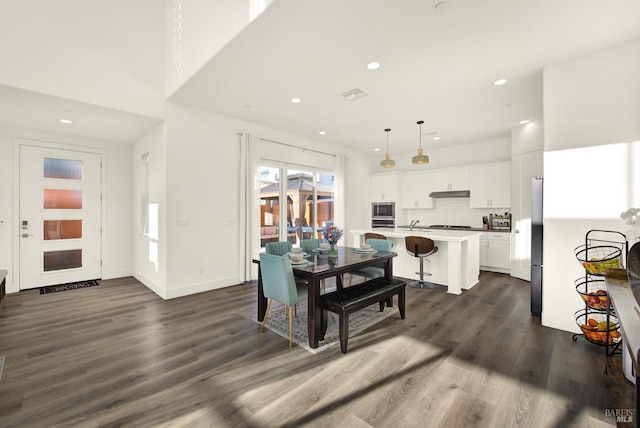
x: 354, y: 94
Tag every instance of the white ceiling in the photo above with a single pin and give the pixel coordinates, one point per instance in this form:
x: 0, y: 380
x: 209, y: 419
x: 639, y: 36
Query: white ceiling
x: 437, y: 65
x: 27, y: 109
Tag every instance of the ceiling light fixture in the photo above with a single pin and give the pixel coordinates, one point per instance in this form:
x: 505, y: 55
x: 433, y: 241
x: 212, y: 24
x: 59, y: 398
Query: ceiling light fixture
x: 373, y: 65
x: 500, y: 82
x: 436, y: 138
x: 420, y: 159
x: 387, y: 162
x: 321, y: 132
x: 522, y: 122
x: 67, y: 121
x: 296, y: 100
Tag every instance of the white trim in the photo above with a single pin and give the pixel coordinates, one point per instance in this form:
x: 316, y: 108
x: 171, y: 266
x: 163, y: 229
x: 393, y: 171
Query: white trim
x: 14, y: 287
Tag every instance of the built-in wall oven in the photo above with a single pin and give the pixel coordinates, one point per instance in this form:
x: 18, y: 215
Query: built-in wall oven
x: 383, y: 214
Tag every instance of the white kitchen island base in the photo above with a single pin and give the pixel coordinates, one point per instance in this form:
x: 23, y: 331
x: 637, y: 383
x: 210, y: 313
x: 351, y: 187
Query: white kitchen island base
x: 456, y: 265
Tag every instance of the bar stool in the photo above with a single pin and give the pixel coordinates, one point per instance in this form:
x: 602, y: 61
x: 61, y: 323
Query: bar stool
x: 421, y: 247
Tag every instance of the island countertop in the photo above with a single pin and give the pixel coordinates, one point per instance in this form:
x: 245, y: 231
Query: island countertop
x: 446, y: 235
x: 456, y: 265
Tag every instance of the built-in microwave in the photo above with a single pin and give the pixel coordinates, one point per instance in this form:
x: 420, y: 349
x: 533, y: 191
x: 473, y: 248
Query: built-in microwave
x: 383, y: 214
x: 383, y: 210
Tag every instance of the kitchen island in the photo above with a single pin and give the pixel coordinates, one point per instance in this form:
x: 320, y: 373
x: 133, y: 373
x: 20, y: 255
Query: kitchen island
x: 456, y: 265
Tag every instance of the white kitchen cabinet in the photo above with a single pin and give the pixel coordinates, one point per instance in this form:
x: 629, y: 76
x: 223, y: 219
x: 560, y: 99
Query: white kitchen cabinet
x: 415, y: 191
x: 384, y: 188
x: 450, y: 179
x: 495, y: 251
x: 490, y: 186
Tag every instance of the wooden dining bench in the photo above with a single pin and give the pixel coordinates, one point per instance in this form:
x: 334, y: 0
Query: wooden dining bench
x: 348, y: 300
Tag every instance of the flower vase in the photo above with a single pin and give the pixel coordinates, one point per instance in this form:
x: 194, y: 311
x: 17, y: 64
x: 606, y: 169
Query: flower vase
x: 333, y: 251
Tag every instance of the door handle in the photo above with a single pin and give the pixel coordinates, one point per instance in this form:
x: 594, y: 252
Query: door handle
x: 26, y: 235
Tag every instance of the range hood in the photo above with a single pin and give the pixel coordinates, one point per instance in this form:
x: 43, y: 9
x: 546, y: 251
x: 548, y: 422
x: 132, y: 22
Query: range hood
x: 451, y: 194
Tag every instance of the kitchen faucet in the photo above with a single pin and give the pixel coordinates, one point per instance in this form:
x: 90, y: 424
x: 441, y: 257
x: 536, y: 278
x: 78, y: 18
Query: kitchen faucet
x: 413, y: 223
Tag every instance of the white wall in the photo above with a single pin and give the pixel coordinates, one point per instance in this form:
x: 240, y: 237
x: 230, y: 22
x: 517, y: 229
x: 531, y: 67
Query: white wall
x: 527, y: 138
x: 85, y: 51
x: 481, y: 152
x: 117, y: 255
x: 594, y: 99
x: 202, y: 184
x: 150, y: 263
x: 195, y: 31
x: 591, y: 109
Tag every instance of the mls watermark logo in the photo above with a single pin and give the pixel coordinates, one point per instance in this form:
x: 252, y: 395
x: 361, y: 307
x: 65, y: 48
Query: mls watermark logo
x: 621, y: 415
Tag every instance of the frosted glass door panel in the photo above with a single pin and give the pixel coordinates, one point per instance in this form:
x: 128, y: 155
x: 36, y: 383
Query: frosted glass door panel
x: 62, y: 260
x: 63, y: 168
x: 59, y: 199
x: 62, y: 229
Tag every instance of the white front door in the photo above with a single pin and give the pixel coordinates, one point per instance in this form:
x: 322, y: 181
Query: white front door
x: 60, y: 216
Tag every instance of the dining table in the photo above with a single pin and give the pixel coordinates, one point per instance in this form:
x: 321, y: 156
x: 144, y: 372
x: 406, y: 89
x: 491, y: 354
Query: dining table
x: 322, y: 265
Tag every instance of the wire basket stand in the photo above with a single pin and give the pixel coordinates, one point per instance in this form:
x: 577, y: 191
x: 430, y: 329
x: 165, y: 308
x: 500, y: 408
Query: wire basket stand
x: 602, y: 250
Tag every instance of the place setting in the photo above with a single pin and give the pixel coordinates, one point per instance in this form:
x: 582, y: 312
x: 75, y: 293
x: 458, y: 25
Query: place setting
x: 365, y: 249
x: 297, y: 257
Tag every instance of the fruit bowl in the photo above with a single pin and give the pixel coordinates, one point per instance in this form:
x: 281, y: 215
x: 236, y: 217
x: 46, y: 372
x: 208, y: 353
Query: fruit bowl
x: 593, y: 292
x: 596, y: 260
x: 594, y: 327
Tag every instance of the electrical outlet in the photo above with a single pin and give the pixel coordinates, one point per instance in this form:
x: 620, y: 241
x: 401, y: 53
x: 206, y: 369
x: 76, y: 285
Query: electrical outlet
x: 181, y: 222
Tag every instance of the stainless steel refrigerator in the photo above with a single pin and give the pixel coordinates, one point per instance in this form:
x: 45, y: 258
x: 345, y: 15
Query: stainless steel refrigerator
x: 536, y: 245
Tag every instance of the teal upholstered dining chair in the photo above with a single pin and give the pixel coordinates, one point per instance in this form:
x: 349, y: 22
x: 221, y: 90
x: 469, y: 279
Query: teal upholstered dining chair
x: 308, y: 245
x: 278, y: 248
x: 371, y: 272
x: 278, y: 284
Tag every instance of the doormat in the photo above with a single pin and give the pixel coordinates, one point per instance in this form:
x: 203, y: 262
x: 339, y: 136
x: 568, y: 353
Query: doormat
x: 70, y: 286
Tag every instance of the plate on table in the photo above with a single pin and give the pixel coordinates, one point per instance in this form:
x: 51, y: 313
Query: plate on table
x: 320, y: 250
x: 304, y: 254
x: 369, y: 251
x: 301, y: 262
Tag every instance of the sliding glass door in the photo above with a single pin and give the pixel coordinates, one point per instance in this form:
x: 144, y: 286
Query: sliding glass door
x: 295, y: 203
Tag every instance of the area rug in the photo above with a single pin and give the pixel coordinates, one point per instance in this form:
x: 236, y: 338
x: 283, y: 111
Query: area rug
x: 358, y: 322
x: 1, y: 365
x: 69, y: 286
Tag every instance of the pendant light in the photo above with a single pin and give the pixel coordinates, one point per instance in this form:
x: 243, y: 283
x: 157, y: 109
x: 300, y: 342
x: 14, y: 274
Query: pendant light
x: 387, y: 162
x: 420, y: 158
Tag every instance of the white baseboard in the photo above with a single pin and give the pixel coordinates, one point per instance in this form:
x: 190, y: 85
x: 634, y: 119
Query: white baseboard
x: 188, y: 289
x: 200, y: 287
x: 122, y: 273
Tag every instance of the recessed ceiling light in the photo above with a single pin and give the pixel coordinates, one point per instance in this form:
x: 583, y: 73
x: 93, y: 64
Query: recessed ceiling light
x: 65, y: 121
x: 373, y: 65
x: 500, y: 82
x: 377, y: 149
x: 436, y: 138
x: 522, y: 122
x: 296, y: 100
x: 322, y: 132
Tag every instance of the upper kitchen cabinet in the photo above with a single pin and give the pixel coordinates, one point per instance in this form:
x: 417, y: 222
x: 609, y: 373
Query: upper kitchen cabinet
x: 491, y: 186
x: 415, y: 191
x: 384, y: 188
x: 450, y: 179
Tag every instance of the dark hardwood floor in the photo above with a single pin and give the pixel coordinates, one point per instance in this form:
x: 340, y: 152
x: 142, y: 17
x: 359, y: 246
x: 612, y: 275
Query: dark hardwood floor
x: 118, y: 355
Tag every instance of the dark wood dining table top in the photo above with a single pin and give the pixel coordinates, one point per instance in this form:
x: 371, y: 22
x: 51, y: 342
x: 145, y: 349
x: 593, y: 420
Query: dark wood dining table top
x: 324, y: 266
